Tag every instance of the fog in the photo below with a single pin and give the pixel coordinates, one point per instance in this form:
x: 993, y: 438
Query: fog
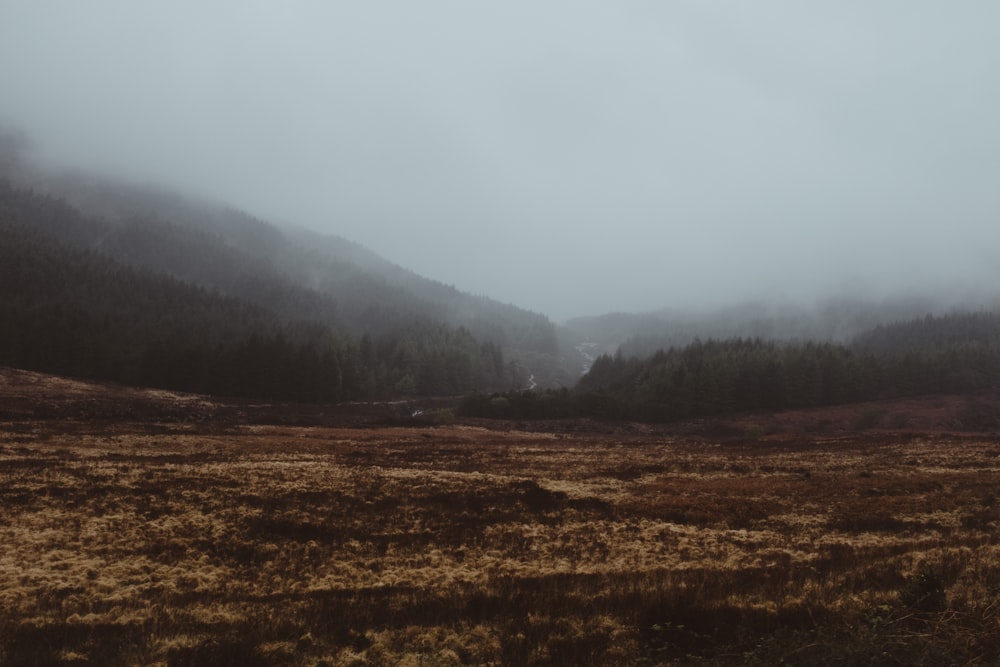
x: 570, y: 157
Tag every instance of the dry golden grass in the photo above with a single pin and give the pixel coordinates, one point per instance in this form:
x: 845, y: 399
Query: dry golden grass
x: 178, y: 544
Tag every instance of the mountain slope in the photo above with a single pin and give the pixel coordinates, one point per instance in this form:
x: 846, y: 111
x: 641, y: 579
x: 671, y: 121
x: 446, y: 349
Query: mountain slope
x: 293, y: 275
x: 69, y: 305
x: 220, y: 246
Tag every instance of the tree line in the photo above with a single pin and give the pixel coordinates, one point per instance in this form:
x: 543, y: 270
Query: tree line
x: 956, y: 353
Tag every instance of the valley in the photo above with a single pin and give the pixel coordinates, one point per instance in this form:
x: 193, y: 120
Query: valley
x: 497, y: 334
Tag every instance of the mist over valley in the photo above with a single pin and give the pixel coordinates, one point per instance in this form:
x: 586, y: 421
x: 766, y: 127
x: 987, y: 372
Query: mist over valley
x: 571, y: 160
x: 527, y: 334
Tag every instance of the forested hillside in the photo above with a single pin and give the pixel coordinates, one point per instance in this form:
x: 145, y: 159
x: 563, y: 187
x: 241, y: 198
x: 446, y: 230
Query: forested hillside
x: 957, y: 353
x: 292, y: 276
x: 67, y: 310
x: 293, y: 271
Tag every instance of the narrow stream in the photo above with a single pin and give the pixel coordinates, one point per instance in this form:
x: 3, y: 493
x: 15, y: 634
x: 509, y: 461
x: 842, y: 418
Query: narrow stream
x: 586, y: 351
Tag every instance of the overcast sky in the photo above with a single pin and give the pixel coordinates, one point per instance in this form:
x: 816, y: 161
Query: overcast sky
x: 571, y: 157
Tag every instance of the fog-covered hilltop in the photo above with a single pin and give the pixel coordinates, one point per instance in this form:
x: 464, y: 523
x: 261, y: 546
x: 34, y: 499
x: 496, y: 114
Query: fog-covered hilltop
x: 391, y: 331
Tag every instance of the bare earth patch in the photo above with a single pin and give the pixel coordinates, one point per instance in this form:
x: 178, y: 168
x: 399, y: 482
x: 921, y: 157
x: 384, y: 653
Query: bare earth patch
x: 242, y: 542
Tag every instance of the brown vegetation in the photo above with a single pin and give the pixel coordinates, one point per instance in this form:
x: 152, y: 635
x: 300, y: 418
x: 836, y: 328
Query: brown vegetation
x: 235, y: 542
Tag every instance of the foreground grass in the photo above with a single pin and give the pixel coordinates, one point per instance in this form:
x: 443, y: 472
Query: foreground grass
x: 129, y: 544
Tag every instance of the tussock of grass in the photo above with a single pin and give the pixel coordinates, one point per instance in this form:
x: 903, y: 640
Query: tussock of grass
x: 190, y: 545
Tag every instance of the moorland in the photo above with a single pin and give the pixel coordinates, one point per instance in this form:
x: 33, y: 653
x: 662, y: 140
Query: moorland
x: 149, y: 527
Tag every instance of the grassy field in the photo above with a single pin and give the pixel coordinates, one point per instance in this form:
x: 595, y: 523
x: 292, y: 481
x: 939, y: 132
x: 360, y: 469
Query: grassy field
x: 135, y: 543
x: 186, y: 545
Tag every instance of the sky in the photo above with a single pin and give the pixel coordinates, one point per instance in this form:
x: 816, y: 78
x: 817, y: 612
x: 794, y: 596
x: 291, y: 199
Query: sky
x: 568, y: 156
